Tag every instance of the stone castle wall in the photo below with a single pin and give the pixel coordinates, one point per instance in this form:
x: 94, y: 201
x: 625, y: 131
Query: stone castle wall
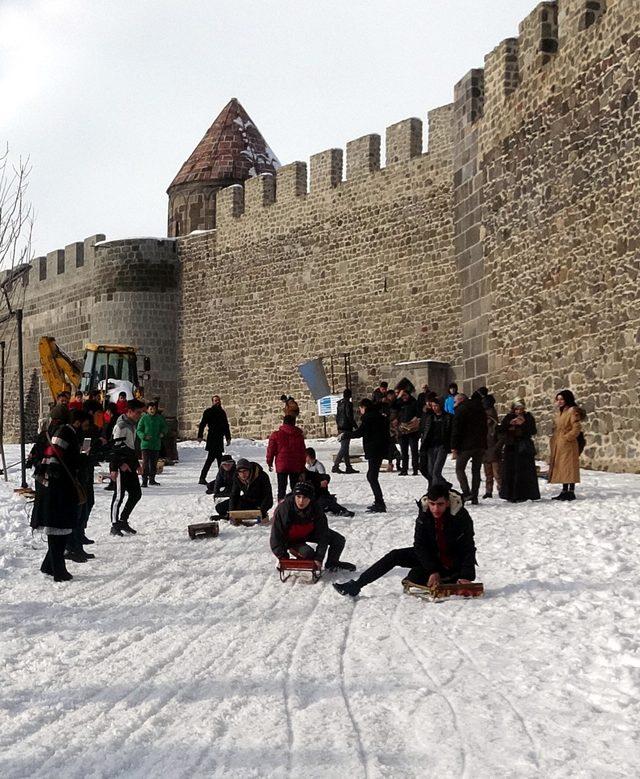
x: 508, y: 250
x: 533, y: 204
x: 555, y: 151
x: 100, y: 292
x: 361, y: 265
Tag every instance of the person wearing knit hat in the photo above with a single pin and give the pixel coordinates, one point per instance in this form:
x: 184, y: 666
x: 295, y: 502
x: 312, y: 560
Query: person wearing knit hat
x: 298, y: 523
x: 250, y: 488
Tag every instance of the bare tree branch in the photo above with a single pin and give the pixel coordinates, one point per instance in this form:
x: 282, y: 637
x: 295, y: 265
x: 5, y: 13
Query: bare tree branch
x: 16, y: 213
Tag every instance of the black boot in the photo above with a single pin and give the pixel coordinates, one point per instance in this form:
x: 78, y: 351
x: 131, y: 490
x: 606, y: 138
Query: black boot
x: 46, y: 565
x: 154, y: 482
x: 561, y: 496
x: 487, y: 495
x: 56, y: 548
x: 75, y: 555
x: 351, y: 588
x: 336, y: 469
x: 144, y: 483
x: 377, y: 508
x: 351, y: 470
x: 339, y: 565
x: 86, y: 541
x: 127, y: 528
x: 116, y: 529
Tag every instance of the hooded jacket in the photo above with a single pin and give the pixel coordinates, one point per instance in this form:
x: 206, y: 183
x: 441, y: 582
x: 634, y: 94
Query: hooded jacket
x: 458, y: 534
x: 256, y: 493
x: 286, y: 447
x: 293, y: 527
x: 123, y: 449
x: 215, y: 420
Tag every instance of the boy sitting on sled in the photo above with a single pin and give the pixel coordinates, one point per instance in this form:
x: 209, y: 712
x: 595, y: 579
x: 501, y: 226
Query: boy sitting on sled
x: 443, y: 547
x: 300, y: 521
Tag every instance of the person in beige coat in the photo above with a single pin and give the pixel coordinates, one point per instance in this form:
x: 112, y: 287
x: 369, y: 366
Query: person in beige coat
x: 564, y: 458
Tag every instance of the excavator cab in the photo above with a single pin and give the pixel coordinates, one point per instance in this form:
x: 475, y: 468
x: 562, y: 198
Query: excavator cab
x: 112, y: 369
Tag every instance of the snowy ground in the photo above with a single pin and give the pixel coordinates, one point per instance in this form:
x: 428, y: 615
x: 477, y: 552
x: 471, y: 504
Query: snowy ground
x: 178, y: 658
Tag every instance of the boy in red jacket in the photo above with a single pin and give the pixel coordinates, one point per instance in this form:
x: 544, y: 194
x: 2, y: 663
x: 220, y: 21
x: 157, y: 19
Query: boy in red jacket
x: 287, y: 448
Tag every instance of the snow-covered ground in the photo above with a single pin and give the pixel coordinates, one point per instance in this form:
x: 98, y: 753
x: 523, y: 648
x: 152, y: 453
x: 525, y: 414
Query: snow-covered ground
x: 177, y: 658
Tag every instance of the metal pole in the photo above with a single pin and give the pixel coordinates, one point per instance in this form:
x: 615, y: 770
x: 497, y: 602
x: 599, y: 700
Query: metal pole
x: 23, y: 456
x: 4, y: 461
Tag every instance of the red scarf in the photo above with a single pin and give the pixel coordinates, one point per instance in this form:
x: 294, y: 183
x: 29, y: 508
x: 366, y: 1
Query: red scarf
x: 443, y: 551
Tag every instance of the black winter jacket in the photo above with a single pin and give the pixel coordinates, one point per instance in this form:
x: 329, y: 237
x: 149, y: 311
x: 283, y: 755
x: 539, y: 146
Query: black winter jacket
x: 458, y: 529
x: 286, y: 515
x: 223, y: 482
x: 256, y: 494
x: 215, y: 419
x: 407, y: 409
x: 469, y: 429
x: 374, y: 431
x: 56, y: 502
x: 436, y: 431
x: 345, y: 416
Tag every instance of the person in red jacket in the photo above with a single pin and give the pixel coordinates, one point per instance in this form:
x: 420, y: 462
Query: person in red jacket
x: 287, y: 448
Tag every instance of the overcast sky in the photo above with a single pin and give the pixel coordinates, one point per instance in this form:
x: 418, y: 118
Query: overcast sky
x: 108, y: 98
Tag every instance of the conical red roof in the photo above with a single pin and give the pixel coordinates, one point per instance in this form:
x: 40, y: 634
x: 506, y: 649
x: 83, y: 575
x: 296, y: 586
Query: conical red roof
x: 232, y: 148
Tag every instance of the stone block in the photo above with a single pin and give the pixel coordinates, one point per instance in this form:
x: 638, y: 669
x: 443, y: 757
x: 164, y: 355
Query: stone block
x: 229, y: 204
x: 291, y: 182
x: 363, y: 156
x: 403, y: 141
x: 259, y: 192
x: 326, y: 170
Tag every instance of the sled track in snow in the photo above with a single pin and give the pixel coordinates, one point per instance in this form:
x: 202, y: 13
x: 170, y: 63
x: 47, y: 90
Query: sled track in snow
x: 437, y: 688
x: 356, y: 729
x: 76, y: 719
x: 518, y: 715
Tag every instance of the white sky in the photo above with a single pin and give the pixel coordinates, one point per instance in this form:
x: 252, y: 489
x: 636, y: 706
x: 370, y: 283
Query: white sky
x: 109, y: 98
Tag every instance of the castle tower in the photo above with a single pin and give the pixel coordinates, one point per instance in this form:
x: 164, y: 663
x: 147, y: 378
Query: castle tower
x: 231, y: 151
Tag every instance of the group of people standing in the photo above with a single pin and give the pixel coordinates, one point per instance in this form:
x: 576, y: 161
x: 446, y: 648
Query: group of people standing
x: 75, y: 440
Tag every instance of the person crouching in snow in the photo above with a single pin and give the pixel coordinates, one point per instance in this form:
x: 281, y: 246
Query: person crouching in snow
x: 443, y: 548
x: 300, y: 521
x: 250, y: 489
x: 327, y: 500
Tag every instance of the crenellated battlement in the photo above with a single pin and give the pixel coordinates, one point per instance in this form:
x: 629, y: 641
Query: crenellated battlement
x: 326, y: 169
x: 552, y: 29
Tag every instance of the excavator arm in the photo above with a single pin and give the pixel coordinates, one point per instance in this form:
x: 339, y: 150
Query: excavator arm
x: 60, y: 372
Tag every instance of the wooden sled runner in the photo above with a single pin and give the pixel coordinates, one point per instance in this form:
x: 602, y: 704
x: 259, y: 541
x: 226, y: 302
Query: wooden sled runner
x: 442, y: 591
x: 247, y: 517
x: 287, y: 567
x: 204, y: 529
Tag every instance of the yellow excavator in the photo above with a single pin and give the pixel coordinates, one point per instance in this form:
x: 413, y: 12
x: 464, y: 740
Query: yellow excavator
x: 107, y: 368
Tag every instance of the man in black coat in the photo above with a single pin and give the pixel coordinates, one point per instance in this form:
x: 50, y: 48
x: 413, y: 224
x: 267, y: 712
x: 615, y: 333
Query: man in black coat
x: 346, y: 423
x: 250, y: 489
x: 408, y: 429
x: 374, y: 431
x: 215, y: 419
x: 443, y: 547
x: 468, y: 442
x: 435, y: 443
x: 299, y: 521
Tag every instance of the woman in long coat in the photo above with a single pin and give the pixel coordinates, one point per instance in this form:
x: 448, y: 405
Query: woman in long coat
x: 564, y: 458
x: 519, y: 478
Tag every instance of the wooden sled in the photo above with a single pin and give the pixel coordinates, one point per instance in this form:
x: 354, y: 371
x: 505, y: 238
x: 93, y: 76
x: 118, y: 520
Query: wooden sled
x: 246, y: 517
x: 25, y: 492
x: 442, y: 591
x: 204, y: 529
x: 287, y: 567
